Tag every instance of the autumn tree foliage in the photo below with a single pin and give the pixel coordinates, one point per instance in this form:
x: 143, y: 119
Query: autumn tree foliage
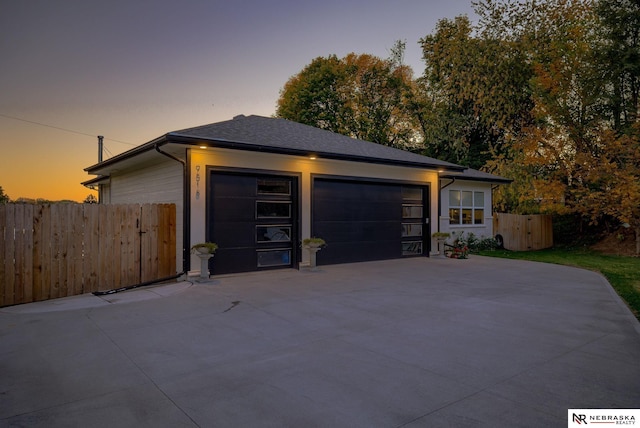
x: 580, y: 151
x: 474, y: 94
x: 609, y: 182
x: 543, y: 92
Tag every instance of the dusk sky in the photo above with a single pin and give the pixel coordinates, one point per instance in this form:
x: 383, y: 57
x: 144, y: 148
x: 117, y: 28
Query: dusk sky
x: 134, y: 70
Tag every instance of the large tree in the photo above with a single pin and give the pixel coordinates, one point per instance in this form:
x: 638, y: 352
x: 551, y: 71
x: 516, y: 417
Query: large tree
x: 359, y: 95
x: 581, y: 150
x: 609, y: 183
x: 314, y: 96
x: 620, y: 59
x: 476, y: 84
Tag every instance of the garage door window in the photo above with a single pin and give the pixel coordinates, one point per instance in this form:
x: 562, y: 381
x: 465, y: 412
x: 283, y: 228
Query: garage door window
x: 466, y: 207
x: 274, y: 186
x: 275, y: 233
x: 273, y: 209
x: 412, y: 218
x: 270, y: 258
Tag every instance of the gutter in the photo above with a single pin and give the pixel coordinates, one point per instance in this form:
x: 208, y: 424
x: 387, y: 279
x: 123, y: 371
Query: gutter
x: 453, y: 180
x: 175, y: 138
x: 238, y: 145
x: 186, y: 206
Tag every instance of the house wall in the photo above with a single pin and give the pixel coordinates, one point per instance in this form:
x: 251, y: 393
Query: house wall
x: 157, y: 183
x: 480, y: 230
x: 104, y: 193
x: 305, y: 167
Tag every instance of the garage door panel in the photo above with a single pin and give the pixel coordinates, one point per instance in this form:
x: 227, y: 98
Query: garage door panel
x: 252, y: 218
x: 235, y: 209
x: 347, y: 231
x: 359, y: 220
x: 352, y: 252
x: 234, y: 234
x: 330, y: 210
x: 233, y: 186
x: 232, y: 260
x: 346, y: 191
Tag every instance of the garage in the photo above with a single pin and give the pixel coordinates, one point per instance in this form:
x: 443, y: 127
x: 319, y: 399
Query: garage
x: 369, y: 220
x: 253, y: 219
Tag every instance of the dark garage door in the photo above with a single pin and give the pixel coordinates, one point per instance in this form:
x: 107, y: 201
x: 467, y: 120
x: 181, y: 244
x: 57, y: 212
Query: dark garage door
x: 253, y: 219
x: 364, y: 221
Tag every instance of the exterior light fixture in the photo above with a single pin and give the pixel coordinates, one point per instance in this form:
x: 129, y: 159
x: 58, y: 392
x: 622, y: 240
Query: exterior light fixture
x: 203, y: 147
x: 312, y: 157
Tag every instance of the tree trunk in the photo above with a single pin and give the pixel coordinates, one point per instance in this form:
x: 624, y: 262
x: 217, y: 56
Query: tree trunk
x: 637, y: 229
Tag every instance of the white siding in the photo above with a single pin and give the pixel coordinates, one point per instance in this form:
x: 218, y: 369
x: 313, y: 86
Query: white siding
x: 158, y: 183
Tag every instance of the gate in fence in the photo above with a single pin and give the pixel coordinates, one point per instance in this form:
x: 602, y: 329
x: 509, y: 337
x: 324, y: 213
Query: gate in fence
x: 524, y: 232
x: 58, y: 250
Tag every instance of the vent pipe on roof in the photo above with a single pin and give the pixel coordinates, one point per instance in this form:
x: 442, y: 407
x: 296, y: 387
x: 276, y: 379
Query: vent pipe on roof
x: 100, y: 145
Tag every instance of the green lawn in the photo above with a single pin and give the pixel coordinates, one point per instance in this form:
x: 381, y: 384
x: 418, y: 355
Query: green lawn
x: 622, y: 272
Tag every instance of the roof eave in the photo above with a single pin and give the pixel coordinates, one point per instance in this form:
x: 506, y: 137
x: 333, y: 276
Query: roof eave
x: 128, y: 154
x: 97, y: 180
x: 497, y: 180
x: 175, y: 138
x: 237, y: 145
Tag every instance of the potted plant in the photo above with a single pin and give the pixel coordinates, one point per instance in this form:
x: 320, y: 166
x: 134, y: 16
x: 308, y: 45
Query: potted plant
x: 441, y: 237
x: 204, y: 248
x: 204, y: 251
x: 313, y: 243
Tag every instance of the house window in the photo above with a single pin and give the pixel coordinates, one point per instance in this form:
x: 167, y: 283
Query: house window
x: 466, y: 207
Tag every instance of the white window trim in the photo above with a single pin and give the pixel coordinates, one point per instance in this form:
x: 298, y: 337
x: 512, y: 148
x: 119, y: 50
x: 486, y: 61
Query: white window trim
x: 461, y: 207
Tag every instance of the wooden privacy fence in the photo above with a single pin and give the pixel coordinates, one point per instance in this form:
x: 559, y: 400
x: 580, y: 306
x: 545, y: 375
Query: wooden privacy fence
x: 524, y: 232
x: 58, y: 250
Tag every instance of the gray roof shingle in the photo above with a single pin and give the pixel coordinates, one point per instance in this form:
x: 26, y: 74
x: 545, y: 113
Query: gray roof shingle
x: 475, y: 175
x: 274, y: 134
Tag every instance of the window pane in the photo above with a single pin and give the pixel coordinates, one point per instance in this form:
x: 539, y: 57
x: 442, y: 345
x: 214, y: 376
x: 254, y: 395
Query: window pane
x: 414, y: 193
x: 478, y: 199
x: 274, y: 186
x: 467, y: 198
x: 454, y: 216
x: 466, y: 216
x: 273, y: 233
x: 411, y: 229
x: 454, y: 198
x: 265, y: 209
x: 411, y: 248
x: 478, y: 217
x: 412, y: 211
x: 274, y: 258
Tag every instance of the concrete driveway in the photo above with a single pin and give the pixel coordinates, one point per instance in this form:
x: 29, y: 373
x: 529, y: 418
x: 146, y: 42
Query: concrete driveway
x: 402, y: 343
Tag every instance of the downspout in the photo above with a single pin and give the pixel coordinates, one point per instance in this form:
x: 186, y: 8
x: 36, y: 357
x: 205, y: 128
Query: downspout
x: 185, y: 238
x: 453, y: 180
x: 186, y: 212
